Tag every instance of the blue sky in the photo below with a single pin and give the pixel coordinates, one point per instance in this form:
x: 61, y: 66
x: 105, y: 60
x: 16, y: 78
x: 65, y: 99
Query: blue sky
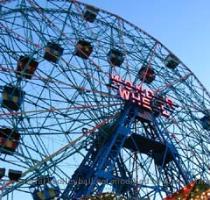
x: 181, y: 25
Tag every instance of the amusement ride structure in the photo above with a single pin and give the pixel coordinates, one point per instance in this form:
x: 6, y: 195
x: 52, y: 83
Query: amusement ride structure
x: 93, y: 107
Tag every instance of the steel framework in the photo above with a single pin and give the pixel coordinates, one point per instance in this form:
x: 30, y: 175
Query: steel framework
x: 93, y: 104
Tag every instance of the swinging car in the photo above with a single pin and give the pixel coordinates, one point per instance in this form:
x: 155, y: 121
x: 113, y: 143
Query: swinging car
x: 45, y: 188
x: 90, y: 13
x: 26, y: 67
x: 83, y: 49
x: 171, y: 61
x: 14, y: 175
x: 115, y: 57
x: 12, y: 97
x: 9, y: 140
x: 147, y: 74
x: 205, y: 122
x: 53, y: 52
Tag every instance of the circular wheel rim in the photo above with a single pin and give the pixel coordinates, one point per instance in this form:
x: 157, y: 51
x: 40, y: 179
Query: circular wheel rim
x: 63, y: 98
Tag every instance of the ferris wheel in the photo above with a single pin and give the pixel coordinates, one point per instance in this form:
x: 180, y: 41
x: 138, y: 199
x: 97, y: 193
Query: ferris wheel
x: 93, y: 107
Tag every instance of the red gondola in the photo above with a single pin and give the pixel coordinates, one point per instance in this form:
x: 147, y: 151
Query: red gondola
x: 147, y: 74
x: 26, y: 67
x: 9, y: 140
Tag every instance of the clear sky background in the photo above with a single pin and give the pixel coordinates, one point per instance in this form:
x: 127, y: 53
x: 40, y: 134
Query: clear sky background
x: 181, y: 25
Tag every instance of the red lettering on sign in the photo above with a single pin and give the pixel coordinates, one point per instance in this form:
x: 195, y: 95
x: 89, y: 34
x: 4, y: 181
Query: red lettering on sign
x: 116, y: 80
x: 124, y: 93
x: 138, y: 88
x: 164, y: 111
x: 128, y: 85
x: 146, y: 103
x: 142, y: 97
x: 169, y: 102
x: 136, y: 97
x: 150, y: 94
